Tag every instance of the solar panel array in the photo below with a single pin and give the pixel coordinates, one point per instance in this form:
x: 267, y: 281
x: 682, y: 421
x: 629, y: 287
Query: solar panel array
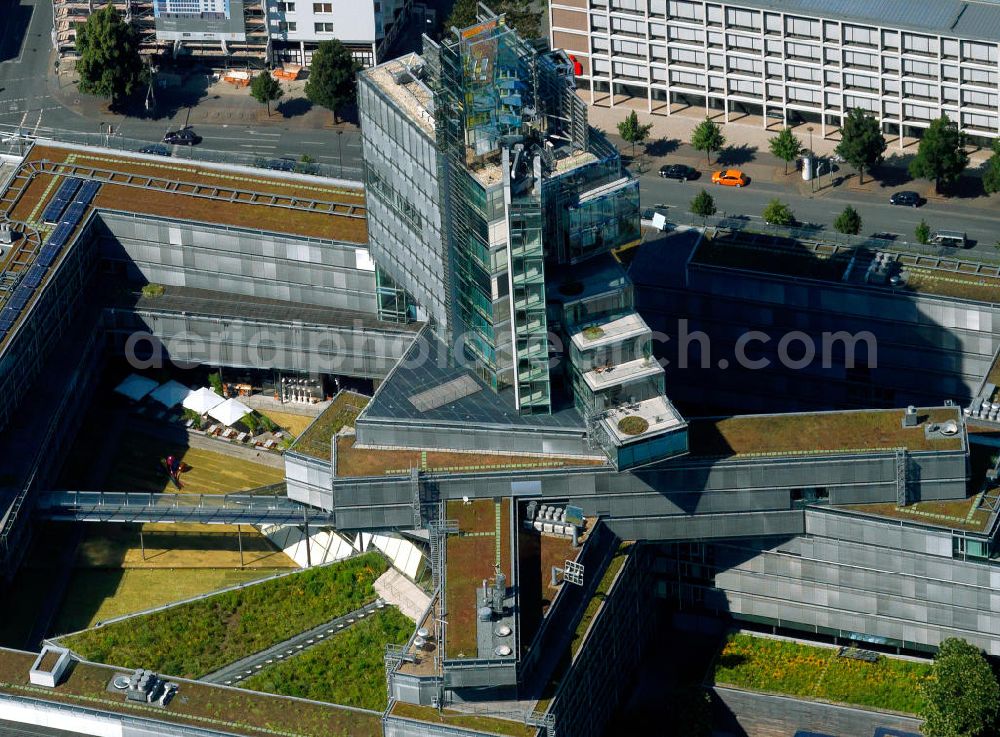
x: 74, y: 196
x: 64, y: 195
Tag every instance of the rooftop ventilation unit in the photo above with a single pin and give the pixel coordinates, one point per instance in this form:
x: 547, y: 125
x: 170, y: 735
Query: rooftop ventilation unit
x: 910, y: 418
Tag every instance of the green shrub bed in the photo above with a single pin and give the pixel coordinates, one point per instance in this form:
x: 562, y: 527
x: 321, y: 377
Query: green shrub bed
x: 192, y: 640
x: 348, y: 668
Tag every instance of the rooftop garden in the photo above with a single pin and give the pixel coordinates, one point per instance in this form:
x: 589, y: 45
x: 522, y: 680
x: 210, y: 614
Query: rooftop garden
x: 343, y: 411
x: 600, y: 594
x: 197, y: 704
x: 957, y: 514
x: 482, y: 542
x: 360, y: 462
x: 788, y: 257
x: 348, y: 668
x: 806, y: 671
x: 823, y: 432
x: 197, y: 638
x: 452, y: 718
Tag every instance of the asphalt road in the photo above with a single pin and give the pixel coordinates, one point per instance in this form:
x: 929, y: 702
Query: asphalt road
x: 26, y: 102
x: 981, y: 224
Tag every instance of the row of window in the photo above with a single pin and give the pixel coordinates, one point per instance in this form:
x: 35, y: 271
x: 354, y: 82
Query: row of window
x: 290, y: 26
x: 289, y: 7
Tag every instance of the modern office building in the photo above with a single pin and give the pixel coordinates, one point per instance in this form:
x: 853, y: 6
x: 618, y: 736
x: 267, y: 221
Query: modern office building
x: 558, y: 490
x: 905, y: 62
x: 251, y: 32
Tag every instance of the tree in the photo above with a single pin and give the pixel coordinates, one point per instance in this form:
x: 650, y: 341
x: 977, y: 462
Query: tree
x: 777, y: 212
x: 991, y: 177
x: 786, y: 146
x: 708, y: 137
x: 265, y: 89
x: 848, y: 221
x: 519, y: 15
x: 861, y: 141
x: 962, y: 697
x: 109, y: 65
x: 923, y: 232
x: 633, y: 131
x: 941, y: 155
x: 703, y: 205
x: 331, y: 82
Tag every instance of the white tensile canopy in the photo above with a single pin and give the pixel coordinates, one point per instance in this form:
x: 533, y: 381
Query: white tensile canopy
x: 202, y: 401
x: 135, y: 387
x: 229, y: 412
x: 170, y: 393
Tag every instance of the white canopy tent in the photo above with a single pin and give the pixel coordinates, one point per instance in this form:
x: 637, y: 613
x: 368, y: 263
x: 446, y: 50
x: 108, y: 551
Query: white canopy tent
x: 169, y: 394
x: 202, y: 401
x: 135, y: 387
x: 229, y: 412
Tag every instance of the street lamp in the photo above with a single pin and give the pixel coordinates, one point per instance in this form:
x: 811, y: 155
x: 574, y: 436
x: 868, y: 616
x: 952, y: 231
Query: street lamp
x: 340, y: 152
x: 810, y: 129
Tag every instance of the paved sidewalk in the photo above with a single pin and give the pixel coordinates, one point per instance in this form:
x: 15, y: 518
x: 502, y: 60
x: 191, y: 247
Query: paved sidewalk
x: 233, y: 673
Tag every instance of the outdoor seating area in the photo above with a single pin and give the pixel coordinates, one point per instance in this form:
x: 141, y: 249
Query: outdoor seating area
x: 201, y: 410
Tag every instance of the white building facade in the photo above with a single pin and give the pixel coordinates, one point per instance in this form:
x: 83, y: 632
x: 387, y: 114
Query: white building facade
x: 366, y: 27
x: 905, y: 61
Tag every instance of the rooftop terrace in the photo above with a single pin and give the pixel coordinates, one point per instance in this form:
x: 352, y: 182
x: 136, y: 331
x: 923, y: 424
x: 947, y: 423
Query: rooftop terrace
x: 944, y: 276
x: 196, y: 704
x: 411, y: 95
x: 857, y: 431
x: 157, y: 186
x: 365, y: 462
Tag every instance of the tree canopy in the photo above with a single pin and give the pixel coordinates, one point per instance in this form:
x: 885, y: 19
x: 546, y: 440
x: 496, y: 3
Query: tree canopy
x: 519, y: 15
x: 786, y: 146
x: 922, y: 232
x: 703, y: 204
x: 109, y: 65
x: 848, y: 221
x: 632, y: 131
x: 777, y: 212
x: 332, y: 81
x: 265, y: 89
x: 708, y: 137
x: 991, y: 176
x: 862, y: 143
x: 962, y: 698
x: 941, y: 156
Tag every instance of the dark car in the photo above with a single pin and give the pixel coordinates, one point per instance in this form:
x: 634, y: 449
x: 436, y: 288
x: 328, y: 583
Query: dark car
x: 906, y: 199
x: 281, y: 164
x: 182, y: 137
x: 157, y: 149
x: 680, y: 172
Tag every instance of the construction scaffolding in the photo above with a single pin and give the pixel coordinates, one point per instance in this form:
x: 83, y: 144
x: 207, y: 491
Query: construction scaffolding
x: 254, y: 51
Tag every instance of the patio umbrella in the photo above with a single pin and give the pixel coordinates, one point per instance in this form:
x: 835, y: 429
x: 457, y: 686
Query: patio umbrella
x: 229, y: 412
x: 170, y: 393
x: 136, y: 387
x: 202, y: 401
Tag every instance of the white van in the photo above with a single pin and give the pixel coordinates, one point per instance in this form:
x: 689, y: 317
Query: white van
x: 953, y: 238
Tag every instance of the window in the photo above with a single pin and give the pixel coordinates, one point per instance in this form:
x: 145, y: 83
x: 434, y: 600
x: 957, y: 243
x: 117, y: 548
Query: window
x: 323, y: 27
x: 286, y: 26
x: 286, y: 7
x: 322, y: 7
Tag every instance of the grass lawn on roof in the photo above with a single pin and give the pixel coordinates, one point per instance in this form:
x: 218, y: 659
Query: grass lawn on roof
x: 136, y: 467
x: 347, y: 668
x: 343, y: 411
x: 778, y: 666
x: 194, y: 639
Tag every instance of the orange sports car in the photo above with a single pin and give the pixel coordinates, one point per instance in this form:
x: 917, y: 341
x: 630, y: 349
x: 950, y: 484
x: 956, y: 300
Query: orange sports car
x: 729, y: 177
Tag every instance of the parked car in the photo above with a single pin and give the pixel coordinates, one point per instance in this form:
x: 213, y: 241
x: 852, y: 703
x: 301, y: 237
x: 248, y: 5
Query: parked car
x: 182, y: 137
x: 729, y: 177
x: 953, y: 238
x: 157, y: 149
x: 680, y: 172
x: 281, y: 164
x: 906, y: 198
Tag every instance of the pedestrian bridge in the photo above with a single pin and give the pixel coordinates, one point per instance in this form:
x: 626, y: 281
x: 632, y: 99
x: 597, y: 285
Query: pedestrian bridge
x: 223, y: 509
